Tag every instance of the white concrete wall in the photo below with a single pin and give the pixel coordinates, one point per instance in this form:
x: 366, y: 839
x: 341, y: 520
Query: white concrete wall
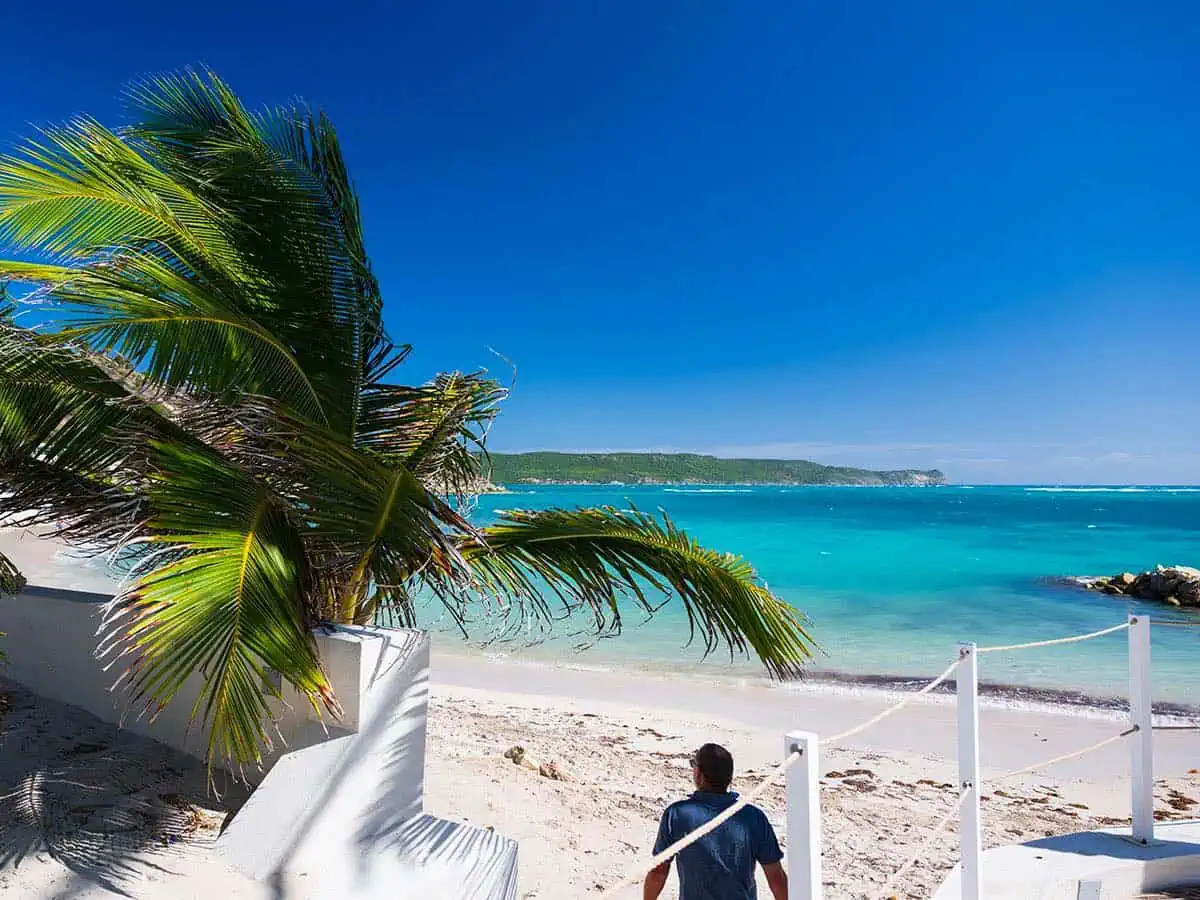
x: 50, y: 643
x: 339, y: 811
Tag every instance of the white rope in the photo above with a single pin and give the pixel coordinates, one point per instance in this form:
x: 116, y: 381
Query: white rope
x: 1067, y: 756
x: 888, y: 892
x: 708, y: 827
x: 691, y: 837
x: 857, y: 729
x: 1051, y: 643
x: 1176, y: 623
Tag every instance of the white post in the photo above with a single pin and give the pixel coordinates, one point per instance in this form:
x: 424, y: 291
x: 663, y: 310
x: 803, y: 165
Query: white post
x: 1141, y: 718
x: 970, y: 830
x: 803, y: 817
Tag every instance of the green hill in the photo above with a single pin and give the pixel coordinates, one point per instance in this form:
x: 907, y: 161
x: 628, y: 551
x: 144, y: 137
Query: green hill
x: 685, y: 468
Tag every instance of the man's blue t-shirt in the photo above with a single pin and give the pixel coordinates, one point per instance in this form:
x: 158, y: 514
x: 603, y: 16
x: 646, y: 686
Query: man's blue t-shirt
x: 719, y: 866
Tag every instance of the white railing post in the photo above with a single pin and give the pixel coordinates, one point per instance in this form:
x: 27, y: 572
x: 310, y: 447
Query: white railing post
x: 970, y: 830
x: 803, y: 817
x: 1141, y: 718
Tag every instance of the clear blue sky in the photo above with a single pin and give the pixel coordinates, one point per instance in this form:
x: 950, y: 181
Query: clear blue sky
x: 892, y: 234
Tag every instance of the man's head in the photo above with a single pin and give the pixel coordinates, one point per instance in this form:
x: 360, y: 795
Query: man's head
x: 712, y: 768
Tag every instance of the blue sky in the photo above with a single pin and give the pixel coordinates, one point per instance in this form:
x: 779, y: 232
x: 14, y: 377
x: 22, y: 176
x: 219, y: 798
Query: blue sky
x: 928, y: 234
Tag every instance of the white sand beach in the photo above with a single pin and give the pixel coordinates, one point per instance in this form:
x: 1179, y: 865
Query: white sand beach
x: 620, y: 741
x: 624, y: 741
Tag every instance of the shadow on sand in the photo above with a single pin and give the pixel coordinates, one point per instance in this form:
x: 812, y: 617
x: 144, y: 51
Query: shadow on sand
x: 103, y: 803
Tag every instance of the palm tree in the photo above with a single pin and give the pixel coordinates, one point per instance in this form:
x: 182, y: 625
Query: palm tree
x: 208, y: 396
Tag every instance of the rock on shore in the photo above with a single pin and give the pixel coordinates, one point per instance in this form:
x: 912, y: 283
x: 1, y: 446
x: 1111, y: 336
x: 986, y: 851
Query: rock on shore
x: 1173, y: 585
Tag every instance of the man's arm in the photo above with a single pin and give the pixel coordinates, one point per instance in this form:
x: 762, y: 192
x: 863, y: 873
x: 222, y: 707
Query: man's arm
x: 776, y: 880
x: 770, y: 856
x: 656, y: 880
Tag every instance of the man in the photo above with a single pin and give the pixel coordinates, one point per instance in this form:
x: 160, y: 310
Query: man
x: 719, y: 866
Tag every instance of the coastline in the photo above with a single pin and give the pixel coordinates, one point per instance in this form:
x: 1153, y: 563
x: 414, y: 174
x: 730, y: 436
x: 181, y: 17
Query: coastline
x: 622, y: 743
x: 830, y: 681
x: 821, y: 706
x: 507, y: 486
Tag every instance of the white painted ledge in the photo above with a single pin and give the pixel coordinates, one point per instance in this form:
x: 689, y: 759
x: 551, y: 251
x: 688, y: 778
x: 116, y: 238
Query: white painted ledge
x: 1053, y: 868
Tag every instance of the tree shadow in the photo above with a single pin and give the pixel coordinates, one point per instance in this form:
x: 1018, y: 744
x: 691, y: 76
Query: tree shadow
x: 476, y: 855
x: 367, y: 812
x: 391, y: 737
x: 104, y: 803
x: 397, y: 745
x: 393, y: 824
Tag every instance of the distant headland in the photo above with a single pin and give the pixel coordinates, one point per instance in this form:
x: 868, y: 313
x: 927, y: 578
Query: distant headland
x: 548, y: 467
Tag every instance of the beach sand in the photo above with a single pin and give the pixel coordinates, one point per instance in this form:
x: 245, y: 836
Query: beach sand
x: 88, y: 809
x: 623, y: 743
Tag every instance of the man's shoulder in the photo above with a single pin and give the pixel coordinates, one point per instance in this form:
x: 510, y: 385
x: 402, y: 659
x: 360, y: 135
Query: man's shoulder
x: 687, y: 803
x: 755, y: 814
x: 690, y: 805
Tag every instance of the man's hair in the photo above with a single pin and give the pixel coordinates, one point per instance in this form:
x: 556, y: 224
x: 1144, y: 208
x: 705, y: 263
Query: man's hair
x: 715, y: 763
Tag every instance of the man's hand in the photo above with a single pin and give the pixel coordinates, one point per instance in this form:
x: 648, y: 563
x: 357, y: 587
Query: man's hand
x: 776, y: 880
x: 656, y: 880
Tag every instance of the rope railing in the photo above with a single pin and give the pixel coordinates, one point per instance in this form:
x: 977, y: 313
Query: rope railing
x: 1054, y: 641
x: 1066, y: 757
x: 875, y: 720
x: 889, y: 891
x: 1177, y: 623
x: 638, y: 872
x: 716, y: 822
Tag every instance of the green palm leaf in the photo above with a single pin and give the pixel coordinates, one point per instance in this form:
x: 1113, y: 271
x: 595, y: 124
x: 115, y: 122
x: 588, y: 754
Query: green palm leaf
x: 71, y: 441
x: 436, y: 431
x: 371, y: 526
x: 11, y: 579
x: 295, y: 218
x: 591, y: 558
x: 230, y: 604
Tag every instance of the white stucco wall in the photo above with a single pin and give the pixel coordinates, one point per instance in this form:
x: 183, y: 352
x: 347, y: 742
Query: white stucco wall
x: 50, y: 643
x: 339, y: 812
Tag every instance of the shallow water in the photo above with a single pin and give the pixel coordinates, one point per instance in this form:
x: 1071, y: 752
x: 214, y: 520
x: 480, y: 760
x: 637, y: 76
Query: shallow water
x: 892, y: 578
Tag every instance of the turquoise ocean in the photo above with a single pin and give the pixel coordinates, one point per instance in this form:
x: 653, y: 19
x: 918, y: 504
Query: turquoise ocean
x: 892, y: 578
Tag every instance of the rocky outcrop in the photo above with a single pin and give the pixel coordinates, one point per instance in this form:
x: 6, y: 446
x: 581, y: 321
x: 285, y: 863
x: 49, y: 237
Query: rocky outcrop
x: 1173, y: 585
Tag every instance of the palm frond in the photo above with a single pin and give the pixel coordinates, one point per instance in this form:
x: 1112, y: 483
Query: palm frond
x: 209, y: 243
x: 595, y: 558
x: 371, y: 526
x: 280, y: 175
x: 230, y: 604
x: 181, y: 333
x: 72, y: 438
x: 11, y: 579
x: 436, y: 431
x: 80, y: 189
